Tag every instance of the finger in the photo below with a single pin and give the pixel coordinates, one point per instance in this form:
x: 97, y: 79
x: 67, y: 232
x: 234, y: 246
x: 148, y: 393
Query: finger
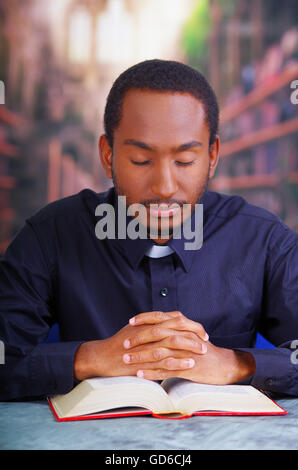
x: 183, y: 323
x: 172, y: 363
x: 155, y: 316
x: 146, y: 355
x: 174, y: 319
x: 181, y: 342
x: 159, y: 374
x: 147, y: 335
x: 159, y: 353
x: 174, y: 345
x: 156, y: 333
x: 169, y: 364
x: 174, y: 339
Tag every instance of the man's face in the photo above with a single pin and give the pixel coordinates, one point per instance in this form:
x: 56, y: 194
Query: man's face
x: 160, y: 153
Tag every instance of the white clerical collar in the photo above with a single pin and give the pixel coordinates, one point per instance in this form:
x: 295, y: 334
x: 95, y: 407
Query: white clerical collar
x: 159, y: 251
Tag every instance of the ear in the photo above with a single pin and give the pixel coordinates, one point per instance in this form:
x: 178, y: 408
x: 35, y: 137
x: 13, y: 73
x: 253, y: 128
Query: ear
x: 213, y: 157
x: 105, y: 153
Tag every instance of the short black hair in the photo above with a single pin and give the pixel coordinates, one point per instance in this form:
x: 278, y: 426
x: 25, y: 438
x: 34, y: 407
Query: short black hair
x: 160, y: 75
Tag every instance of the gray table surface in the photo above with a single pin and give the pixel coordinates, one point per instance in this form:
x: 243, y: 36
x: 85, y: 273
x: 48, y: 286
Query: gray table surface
x: 31, y: 425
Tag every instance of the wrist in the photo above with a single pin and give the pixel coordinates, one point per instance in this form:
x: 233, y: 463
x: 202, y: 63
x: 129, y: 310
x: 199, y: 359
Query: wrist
x: 241, y: 366
x: 83, y: 361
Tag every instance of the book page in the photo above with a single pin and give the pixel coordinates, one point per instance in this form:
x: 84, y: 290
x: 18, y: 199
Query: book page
x: 122, y: 411
x: 105, y: 393
x: 190, y: 397
x: 121, y: 380
x: 178, y: 389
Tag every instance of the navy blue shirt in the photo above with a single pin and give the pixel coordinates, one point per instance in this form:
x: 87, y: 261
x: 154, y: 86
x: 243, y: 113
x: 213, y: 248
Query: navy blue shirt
x: 243, y: 280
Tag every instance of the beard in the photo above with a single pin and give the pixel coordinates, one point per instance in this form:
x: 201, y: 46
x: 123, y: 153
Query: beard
x: 159, y: 232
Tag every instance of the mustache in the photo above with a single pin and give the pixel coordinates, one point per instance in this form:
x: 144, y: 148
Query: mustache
x: 170, y: 202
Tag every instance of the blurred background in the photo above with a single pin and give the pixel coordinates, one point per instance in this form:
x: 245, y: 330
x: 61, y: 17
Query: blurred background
x: 59, y: 58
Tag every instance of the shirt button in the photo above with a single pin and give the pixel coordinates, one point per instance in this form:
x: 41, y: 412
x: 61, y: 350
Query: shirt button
x: 164, y: 292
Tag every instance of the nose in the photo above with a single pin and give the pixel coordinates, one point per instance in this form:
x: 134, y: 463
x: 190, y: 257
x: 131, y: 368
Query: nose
x: 164, y: 184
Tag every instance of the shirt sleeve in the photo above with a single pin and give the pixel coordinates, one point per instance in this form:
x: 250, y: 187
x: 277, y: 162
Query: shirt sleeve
x: 30, y: 368
x: 277, y: 368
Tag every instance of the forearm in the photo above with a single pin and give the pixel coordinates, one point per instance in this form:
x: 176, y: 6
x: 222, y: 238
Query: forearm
x: 89, y: 360
x: 237, y: 365
x: 276, y: 369
x: 45, y: 370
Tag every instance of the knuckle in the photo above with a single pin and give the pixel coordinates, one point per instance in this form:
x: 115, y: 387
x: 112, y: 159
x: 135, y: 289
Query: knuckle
x: 157, y: 354
x: 159, y: 316
x: 201, y: 329
x: 135, y: 340
x: 136, y: 357
x: 176, y: 340
x: 193, y: 337
x: 155, y: 331
x: 178, y: 314
x: 182, y: 321
x: 162, y: 374
x: 169, y: 362
x: 193, y: 343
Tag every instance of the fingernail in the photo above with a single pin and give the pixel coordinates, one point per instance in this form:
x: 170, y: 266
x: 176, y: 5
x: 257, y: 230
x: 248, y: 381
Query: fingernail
x: 140, y: 373
x: 206, y: 337
x: 204, y: 348
x: 126, y: 358
x: 132, y: 321
x: 126, y: 343
x: 189, y: 362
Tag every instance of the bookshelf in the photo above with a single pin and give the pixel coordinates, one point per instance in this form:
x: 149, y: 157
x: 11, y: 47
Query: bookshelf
x: 8, y: 149
x: 263, y: 91
x: 259, y: 137
x: 9, y: 117
x: 248, y: 181
x: 7, y: 182
x: 8, y: 122
x: 258, y: 153
x: 65, y: 176
x: 293, y: 177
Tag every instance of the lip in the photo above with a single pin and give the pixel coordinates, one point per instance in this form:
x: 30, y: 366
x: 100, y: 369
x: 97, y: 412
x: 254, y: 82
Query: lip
x: 163, y: 212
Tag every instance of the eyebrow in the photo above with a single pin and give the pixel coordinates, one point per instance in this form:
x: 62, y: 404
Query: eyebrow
x: 138, y: 143
x: 189, y: 145
x: 180, y: 148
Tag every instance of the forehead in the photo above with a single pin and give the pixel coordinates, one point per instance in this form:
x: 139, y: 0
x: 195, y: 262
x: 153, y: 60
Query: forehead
x: 149, y: 113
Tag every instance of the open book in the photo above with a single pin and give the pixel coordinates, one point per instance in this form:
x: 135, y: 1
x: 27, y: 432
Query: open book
x: 106, y: 397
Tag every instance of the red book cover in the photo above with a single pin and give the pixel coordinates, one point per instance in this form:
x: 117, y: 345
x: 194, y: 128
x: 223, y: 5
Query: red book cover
x: 142, y: 412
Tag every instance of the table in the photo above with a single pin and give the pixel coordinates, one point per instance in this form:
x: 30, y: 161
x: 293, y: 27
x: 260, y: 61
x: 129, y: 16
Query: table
x: 31, y: 425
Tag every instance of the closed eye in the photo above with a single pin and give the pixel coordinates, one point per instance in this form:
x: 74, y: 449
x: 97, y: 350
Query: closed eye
x: 145, y: 162
x: 184, y: 163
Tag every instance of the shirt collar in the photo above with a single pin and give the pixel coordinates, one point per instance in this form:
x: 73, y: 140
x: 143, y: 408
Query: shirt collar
x: 159, y: 251
x: 135, y: 250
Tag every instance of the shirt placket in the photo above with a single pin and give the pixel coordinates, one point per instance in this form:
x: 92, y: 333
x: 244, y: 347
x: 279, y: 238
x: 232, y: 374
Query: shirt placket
x: 163, y: 284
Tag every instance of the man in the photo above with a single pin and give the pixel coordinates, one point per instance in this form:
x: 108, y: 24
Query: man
x: 148, y: 306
